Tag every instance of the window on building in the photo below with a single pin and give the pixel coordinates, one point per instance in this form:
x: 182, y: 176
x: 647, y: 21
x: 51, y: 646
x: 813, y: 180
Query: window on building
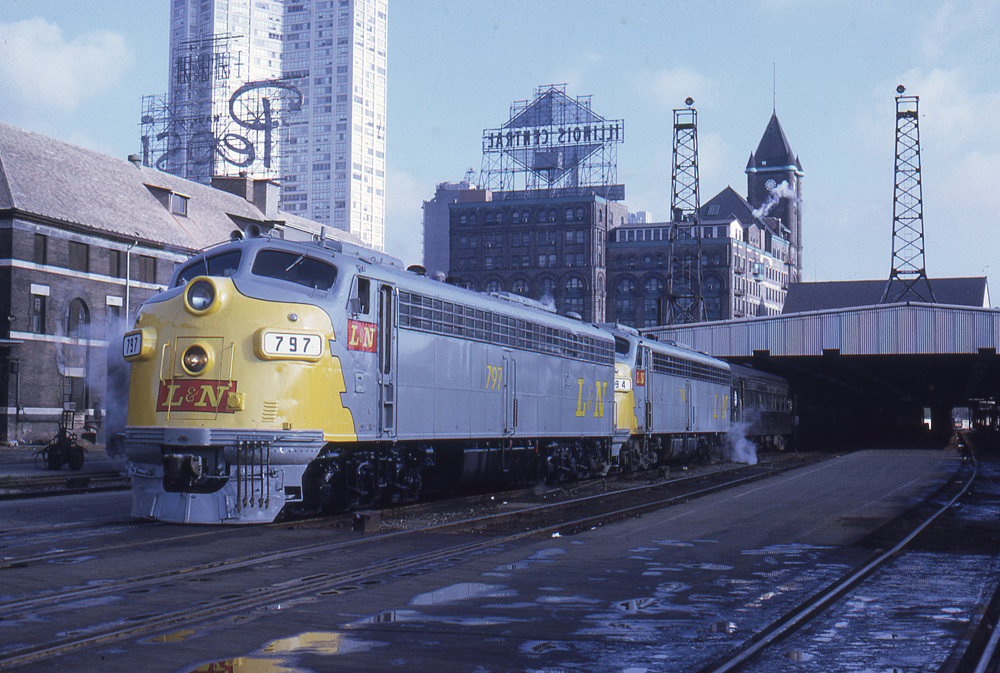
x: 78, y: 320
x: 147, y: 269
x: 115, y: 269
x: 579, y: 213
x: 652, y: 302
x: 41, y: 249
x: 546, y: 288
x: 79, y: 256
x: 37, y: 322
x: 493, y: 286
x: 625, y: 302
x: 179, y: 205
x: 712, y: 293
x: 520, y: 286
x: 75, y: 393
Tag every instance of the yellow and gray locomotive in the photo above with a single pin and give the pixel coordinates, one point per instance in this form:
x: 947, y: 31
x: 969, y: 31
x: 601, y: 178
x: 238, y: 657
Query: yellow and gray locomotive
x: 284, y: 376
x: 277, y: 377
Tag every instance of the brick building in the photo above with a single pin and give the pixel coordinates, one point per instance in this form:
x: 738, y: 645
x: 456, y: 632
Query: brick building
x: 551, y: 249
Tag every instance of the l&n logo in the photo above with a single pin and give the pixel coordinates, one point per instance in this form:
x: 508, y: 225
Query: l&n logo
x: 362, y: 336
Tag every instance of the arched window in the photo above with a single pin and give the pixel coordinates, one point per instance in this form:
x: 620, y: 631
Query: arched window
x: 647, y: 261
x: 652, y: 302
x: 552, y: 215
x: 625, y: 302
x: 520, y: 286
x: 717, y: 259
x: 579, y: 213
x: 711, y: 290
x: 515, y: 217
x: 569, y: 214
x: 575, y: 295
x: 546, y: 288
x: 661, y: 261
x: 462, y: 219
x: 492, y: 286
x: 78, y: 320
x: 631, y: 261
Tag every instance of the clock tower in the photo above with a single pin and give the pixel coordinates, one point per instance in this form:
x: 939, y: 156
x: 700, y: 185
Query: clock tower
x: 774, y: 189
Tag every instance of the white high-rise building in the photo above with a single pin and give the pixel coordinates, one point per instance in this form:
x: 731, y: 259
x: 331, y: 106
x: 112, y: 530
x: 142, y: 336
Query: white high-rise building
x: 293, y: 90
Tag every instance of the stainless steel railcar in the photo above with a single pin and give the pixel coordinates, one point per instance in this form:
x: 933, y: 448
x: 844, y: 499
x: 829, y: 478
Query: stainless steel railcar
x: 278, y: 376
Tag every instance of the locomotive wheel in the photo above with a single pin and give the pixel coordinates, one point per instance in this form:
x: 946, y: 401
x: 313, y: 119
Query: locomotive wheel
x: 75, y: 458
x: 54, y: 457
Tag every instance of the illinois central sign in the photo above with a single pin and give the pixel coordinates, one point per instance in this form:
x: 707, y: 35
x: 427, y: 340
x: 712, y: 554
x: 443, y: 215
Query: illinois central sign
x: 549, y: 136
x: 554, y: 136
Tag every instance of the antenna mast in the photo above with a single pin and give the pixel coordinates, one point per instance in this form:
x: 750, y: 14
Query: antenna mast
x: 686, y: 304
x: 908, y: 267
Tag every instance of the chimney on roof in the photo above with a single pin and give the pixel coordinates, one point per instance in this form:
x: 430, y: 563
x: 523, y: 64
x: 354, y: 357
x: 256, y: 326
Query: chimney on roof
x: 240, y: 186
x: 136, y: 160
x: 265, y: 197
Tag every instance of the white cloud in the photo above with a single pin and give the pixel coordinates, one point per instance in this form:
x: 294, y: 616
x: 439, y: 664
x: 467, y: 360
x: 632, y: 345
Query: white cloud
x: 40, y: 69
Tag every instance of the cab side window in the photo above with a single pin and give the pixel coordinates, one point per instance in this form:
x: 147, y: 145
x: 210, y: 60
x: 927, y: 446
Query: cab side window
x: 362, y: 302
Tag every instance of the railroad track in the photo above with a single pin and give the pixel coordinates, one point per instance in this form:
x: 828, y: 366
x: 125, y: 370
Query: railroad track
x: 978, y: 653
x: 12, y: 488
x: 569, y: 513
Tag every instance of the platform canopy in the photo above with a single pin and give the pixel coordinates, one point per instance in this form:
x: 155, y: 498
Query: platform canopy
x: 869, y: 370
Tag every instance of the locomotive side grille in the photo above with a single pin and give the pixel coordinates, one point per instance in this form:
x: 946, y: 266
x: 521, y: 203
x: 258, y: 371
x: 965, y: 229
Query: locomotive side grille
x: 270, y: 413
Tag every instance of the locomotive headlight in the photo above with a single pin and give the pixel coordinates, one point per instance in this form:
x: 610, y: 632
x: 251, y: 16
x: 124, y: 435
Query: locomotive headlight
x: 200, y: 295
x: 195, y: 359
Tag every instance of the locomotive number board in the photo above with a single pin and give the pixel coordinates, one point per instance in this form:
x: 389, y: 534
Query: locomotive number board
x: 279, y: 344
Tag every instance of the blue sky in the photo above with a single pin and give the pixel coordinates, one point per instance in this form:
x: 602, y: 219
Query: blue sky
x: 77, y: 71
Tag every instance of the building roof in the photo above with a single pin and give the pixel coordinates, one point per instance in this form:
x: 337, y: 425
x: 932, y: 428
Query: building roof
x: 804, y: 297
x: 729, y: 205
x: 773, y: 152
x: 70, y: 184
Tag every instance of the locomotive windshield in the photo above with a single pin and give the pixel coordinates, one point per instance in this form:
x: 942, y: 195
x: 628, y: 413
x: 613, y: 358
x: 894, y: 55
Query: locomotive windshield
x: 295, y: 268
x: 224, y: 264
x: 622, y: 346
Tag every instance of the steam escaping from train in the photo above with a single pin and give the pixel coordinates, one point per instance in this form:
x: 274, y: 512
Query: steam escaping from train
x: 739, y: 447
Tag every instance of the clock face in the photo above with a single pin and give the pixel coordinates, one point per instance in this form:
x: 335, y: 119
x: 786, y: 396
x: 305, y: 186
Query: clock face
x: 770, y: 184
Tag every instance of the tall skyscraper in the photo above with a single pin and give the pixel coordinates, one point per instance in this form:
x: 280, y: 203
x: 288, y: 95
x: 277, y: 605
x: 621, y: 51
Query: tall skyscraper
x: 335, y: 53
x: 292, y: 90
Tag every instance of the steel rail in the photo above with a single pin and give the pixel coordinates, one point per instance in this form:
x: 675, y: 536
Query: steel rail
x: 819, y: 602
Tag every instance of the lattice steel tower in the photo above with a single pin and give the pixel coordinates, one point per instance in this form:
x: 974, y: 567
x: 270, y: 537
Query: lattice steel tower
x: 908, y: 268
x: 685, y: 301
